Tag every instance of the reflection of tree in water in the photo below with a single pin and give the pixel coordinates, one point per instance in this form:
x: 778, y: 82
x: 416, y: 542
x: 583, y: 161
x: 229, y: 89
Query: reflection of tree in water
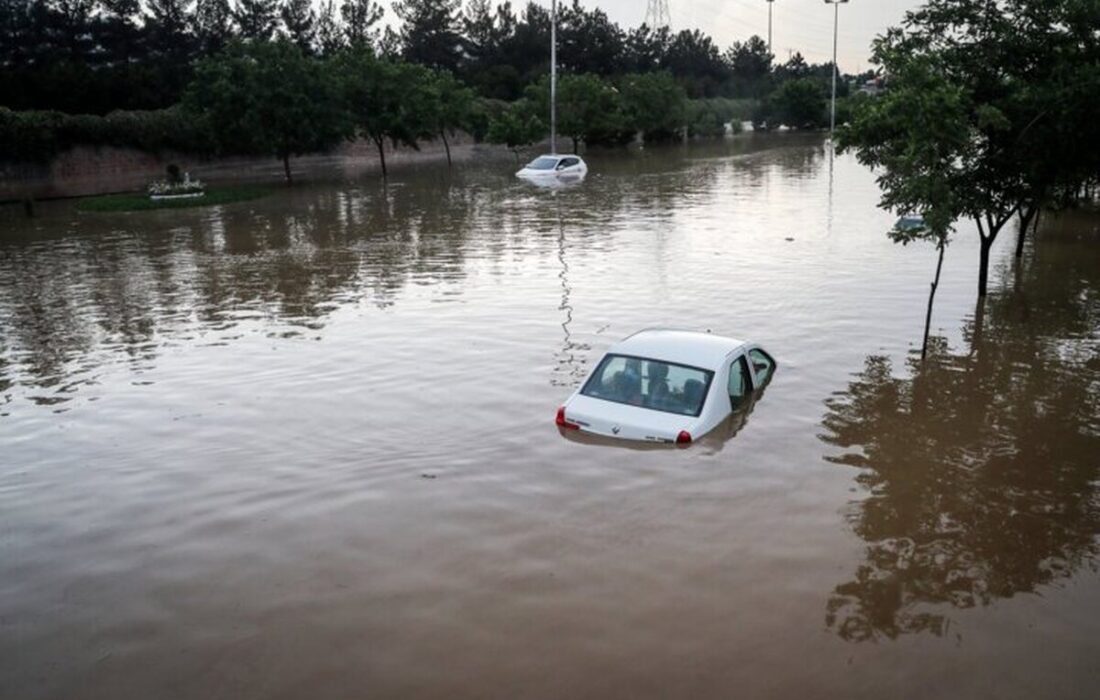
x: 980, y: 468
x: 76, y: 293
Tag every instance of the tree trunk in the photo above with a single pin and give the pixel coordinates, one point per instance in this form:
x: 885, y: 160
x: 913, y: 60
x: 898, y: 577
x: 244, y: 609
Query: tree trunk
x: 286, y: 168
x: 983, y: 265
x: 931, y: 299
x: 575, y: 145
x: 1026, y: 217
x: 381, y: 154
x: 446, y: 146
x: 988, y: 235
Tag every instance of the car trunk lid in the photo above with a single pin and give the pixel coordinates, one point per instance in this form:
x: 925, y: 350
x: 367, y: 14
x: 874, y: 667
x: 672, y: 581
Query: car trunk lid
x: 625, y: 421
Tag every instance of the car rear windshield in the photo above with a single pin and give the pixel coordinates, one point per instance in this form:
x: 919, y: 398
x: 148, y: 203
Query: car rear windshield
x: 543, y: 164
x: 661, y: 386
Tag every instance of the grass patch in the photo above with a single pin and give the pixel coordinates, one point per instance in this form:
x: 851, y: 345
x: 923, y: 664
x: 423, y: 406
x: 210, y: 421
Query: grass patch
x: 141, y: 202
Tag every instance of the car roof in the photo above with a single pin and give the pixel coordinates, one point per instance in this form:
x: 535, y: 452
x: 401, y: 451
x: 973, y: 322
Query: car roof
x: 687, y: 347
x: 559, y: 156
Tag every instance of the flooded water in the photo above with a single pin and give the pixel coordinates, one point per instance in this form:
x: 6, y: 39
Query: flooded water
x: 304, y: 446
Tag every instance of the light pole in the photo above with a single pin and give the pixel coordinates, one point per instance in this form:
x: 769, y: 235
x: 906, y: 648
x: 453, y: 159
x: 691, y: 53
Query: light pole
x: 836, y: 18
x: 770, y: 25
x: 554, y: 76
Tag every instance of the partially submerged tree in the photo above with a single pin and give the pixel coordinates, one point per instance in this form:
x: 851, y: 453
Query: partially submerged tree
x: 917, y: 148
x: 1021, y: 76
x: 516, y: 127
x: 266, y: 97
x: 589, y: 109
x: 387, y: 100
x: 452, y: 108
x: 654, y: 103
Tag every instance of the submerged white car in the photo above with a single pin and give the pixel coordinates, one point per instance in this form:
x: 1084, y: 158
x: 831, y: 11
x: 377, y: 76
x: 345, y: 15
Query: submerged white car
x: 560, y: 168
x: 667, y: 386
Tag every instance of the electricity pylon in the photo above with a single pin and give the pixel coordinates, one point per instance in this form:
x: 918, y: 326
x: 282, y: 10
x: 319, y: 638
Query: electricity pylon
x: 657, y: 14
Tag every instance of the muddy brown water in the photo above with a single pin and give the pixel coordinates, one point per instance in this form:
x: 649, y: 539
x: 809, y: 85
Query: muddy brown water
x: 304, y: 447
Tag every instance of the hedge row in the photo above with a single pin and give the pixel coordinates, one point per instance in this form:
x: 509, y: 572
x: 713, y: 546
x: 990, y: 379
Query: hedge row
x: 37, y: 136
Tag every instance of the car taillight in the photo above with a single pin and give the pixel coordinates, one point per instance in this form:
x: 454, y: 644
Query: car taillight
x: 684, y: 438
x: 563, y: 423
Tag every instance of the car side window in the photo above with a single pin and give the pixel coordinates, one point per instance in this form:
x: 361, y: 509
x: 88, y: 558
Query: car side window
x: 567, y: 163
x: 762, y: 366
x: 740, y: 385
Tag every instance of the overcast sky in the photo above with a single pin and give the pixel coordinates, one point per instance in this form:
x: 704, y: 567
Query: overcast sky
x: 798, y: 25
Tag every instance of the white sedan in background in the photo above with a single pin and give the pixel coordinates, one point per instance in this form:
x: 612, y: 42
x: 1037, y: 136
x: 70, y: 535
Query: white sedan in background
x: 554, y: 168
x: 666, y: 386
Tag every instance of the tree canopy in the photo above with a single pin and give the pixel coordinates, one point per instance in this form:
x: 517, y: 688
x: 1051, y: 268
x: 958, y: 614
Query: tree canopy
x: 985, y: 114
x: 266, y: 97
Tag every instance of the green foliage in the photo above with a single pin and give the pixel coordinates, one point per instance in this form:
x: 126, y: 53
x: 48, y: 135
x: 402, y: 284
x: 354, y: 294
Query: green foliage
x: 751, y: 65
x: 516, y: 126
x: 988, y: 111
x: 141, y: 202
x: 654, y: 103
x: 430, y: 33
x: 454, y: 104
x: 799, y: 103
x: 709, y: 117
x: 38, y: 136
x: 589, y: 109
x: 267, y: 97
x: 391, y: 100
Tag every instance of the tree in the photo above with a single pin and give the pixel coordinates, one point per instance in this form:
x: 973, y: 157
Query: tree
x: 328, y: 34
x: 430, y: 34
x: 386, y: 99
x: 168, y: 28
x: 798, y: 103
x: 1003, y: 143
x: 645, y: 49
x: 211, y: 24
x: 267, y: 97
x: 751, y: 65
x: 452, y: 107
x: 299, y: 23
x: 795, y: 67
x: 653, y: 103
x: 256, y: 18
x: 360, y: 18
x: 589, y: 42
x: 516, y: 127
x: 589, y: 109
x: 693, y: 57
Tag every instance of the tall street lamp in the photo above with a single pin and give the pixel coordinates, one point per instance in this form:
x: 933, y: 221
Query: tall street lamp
x: 836, y: 18
x: 770, y: 25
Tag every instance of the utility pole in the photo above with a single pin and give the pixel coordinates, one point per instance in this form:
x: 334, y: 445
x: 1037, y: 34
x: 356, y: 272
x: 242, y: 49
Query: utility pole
x: 554, y: 76
x: 836, y: 20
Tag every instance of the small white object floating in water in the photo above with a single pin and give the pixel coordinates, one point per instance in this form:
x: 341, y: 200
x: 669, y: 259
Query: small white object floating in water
x: 667, y: 386
x: 554, y: 169
x: 187, y: 195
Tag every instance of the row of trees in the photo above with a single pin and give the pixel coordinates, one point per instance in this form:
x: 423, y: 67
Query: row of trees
x: 990, y: 115
x: 269, y: 97
x: 95, y: 56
